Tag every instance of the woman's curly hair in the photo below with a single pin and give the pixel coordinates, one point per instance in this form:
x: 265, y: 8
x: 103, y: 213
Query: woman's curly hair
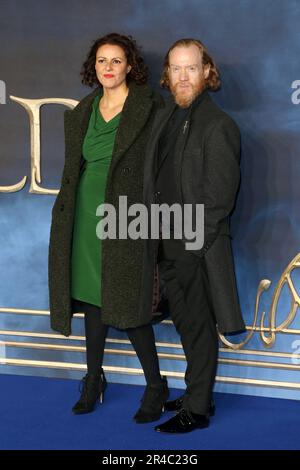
x: 213, y: 81
x: 139, y: 70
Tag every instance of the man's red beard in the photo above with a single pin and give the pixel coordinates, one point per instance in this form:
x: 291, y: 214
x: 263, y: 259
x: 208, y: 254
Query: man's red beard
x: 184, y: 99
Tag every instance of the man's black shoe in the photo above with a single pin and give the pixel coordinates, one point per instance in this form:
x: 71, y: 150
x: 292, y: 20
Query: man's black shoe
x: 182, y: 422
x: 176, y: 405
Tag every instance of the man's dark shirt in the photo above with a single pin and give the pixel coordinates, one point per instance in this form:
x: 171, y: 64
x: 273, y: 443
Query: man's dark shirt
x: 166, y: 188
x: 165, y: 183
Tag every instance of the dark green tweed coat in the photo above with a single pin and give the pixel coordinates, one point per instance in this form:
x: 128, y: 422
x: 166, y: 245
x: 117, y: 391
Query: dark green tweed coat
x: 128, y: 272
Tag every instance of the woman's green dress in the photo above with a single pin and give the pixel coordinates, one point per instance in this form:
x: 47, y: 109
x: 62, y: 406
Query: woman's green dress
x: 97, y: 150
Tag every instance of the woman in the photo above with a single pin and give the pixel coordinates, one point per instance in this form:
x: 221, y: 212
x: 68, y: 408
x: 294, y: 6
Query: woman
x: 105, y: 140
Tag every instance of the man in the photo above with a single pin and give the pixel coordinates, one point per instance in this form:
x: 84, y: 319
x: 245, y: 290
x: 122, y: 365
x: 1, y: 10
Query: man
x: 194, y: 159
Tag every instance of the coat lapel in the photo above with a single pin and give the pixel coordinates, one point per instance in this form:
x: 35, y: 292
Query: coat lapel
x: 76, y: 124
x: 135, y: 114
x: 82, y: 113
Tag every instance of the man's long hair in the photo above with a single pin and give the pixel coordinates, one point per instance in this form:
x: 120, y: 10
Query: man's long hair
x: 212, y: 82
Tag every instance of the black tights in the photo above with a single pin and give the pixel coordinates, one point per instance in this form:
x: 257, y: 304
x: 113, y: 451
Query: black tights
x: 142, y: 340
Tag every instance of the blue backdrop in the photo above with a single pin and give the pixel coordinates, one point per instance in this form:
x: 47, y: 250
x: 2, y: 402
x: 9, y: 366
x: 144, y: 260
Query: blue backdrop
x: 256, y: 45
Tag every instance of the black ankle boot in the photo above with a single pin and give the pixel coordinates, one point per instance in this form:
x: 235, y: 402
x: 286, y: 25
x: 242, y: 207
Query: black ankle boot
x: 92, y: 387
x: 153, y: 401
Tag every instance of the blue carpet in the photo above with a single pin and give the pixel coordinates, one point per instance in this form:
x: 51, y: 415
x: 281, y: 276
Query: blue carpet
x: 35, y: 414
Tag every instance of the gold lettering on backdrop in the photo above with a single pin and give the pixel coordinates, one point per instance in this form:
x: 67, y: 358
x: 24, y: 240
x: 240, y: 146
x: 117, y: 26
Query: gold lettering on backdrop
x: 32, y: 107
x: 268, y: 333
x: 285, y: 279
x: 14, y: 187
x: 263, y: 285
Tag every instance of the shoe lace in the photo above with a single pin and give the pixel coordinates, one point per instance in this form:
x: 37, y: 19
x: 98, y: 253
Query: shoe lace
x: 83, y: 389
x: 179, y: 402
x: 184, y: 417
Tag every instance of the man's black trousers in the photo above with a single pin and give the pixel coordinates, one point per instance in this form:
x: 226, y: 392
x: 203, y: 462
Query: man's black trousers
x: 185, y: 281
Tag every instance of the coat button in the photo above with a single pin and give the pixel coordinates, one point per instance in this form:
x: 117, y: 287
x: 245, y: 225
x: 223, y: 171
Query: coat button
x: 62, y: 206
x: 157, y: 195
x: 67, y: 180
x: 126, y: 170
